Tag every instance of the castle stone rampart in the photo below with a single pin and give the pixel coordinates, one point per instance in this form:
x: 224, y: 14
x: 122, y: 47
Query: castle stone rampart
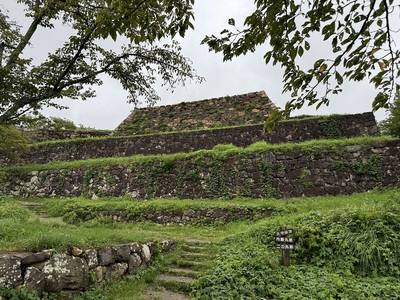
x: 308, y: 172
x: 337, y: 126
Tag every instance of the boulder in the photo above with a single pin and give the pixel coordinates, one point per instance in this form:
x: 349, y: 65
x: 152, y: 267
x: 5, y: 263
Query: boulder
x: 10, y: 271
x: 134, y: 263
x: 122, y: 253
x: 106, y: 256
x: 91, y: 258
x: 115, y: 271
x: 34, y: 280
x: 65, y: 272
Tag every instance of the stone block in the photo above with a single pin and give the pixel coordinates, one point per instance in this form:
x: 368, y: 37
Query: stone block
x: 122, y: 253
x: 115, y: 271
x: 134, y: 263
x: 136, y: 248
x: 34, y: 280
x: 166, y: 245
x: 146, y: 254
x: 106, y: 256
x: 153, y: 248
x: 91, y: 258
x: 10, y: 271
x: 29, y: 258
x: 66, y: 272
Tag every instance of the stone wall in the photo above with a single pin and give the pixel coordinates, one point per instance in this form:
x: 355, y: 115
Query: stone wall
x: 252, y: 108
x: 55, y: 135
x: 72, y: 272
x: 192, y: 216
x: 279, y: 173
x: 289, y: 131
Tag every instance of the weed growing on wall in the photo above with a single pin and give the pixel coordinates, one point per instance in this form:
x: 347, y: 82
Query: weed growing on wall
x: 305, y: 179
x: 330, y: 127
x: 96, y: 180
x: 267, y: 177
x: 215, y: 182
x: 372, y: 167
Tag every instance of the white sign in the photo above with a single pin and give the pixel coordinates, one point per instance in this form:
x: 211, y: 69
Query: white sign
x: 285, y: 246
x: 284, y: 240
x: 284, y: 232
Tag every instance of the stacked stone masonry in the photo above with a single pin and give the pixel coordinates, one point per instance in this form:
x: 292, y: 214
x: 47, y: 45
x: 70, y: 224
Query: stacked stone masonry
x: 251, y: 108
x: 72, y: 272
x: 341, y: 126
x: 195, y: 216
x: 55, y: 135
x: 309, y: 172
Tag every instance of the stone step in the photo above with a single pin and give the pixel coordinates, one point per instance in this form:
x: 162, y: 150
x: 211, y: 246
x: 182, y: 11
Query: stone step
x: 194, y: 256
x: 35, y: 207
x: 188, y: 263
x: 174, y: 278
x: 194, y: 249
x: 164, y: 294
x: 183, y: 272
x: 196, y: 242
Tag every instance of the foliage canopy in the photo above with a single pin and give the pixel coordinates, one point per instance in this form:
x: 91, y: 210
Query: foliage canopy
x: 71, y: 70
x: 360, y: 34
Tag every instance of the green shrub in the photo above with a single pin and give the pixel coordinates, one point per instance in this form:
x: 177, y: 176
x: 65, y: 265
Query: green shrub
x: 12, y: 210
x: 349, y: 253
x: 391, y: 126
x: 11, y: 139
x: 18, y: 294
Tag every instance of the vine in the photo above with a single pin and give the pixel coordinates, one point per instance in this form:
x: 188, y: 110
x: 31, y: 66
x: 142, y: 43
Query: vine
x: 267, y: 177
x: 330, y: 127
x: 305, y: 179
x: 216, y: 181
x: 372, y: 167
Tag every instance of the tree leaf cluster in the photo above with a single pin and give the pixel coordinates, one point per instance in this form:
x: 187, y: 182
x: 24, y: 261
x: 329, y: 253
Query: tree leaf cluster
x: 391, y: 125
x: 360, y: 35
x: 72, y: 69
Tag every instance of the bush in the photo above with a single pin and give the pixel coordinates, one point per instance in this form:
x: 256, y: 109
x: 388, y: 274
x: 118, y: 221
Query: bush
x: 11, y: 139
x: 12, y: 210
x: 391, y: 126
x: 345, y: 254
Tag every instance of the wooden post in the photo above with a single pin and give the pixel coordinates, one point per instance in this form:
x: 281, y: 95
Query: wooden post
x: 286, y: 257
x: 285, y: 244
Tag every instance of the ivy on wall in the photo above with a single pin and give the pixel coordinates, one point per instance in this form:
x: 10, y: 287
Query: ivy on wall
x: 330, y: 127
x: 267, y: 177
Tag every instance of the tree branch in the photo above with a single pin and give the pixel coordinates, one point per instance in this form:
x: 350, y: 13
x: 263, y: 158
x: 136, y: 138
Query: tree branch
x: 339, y: 58
x: 75, y: 58
x: 392, y: 63
x: 26, y: 38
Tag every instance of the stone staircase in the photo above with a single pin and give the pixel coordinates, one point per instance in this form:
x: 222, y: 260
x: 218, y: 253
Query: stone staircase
x: 175, y: 283
x: 35, y: 207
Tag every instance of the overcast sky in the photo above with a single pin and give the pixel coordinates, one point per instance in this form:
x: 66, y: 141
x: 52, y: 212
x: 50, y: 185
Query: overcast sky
x: 242, y: 75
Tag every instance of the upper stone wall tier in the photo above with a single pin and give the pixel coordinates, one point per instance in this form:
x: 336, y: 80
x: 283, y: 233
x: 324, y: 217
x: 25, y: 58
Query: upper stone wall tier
x: 54, y: 135
x: 252, y: 108
x: 340, y: 126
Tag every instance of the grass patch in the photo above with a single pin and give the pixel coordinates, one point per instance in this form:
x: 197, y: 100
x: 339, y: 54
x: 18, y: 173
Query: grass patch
x: 347, y: 247
x: 342, y: 252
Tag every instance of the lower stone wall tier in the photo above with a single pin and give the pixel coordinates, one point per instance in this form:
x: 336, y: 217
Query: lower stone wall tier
x: 75, y: 270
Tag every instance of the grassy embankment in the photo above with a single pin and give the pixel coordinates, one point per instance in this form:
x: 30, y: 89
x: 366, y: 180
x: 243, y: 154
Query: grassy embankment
x: 348, y: 247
